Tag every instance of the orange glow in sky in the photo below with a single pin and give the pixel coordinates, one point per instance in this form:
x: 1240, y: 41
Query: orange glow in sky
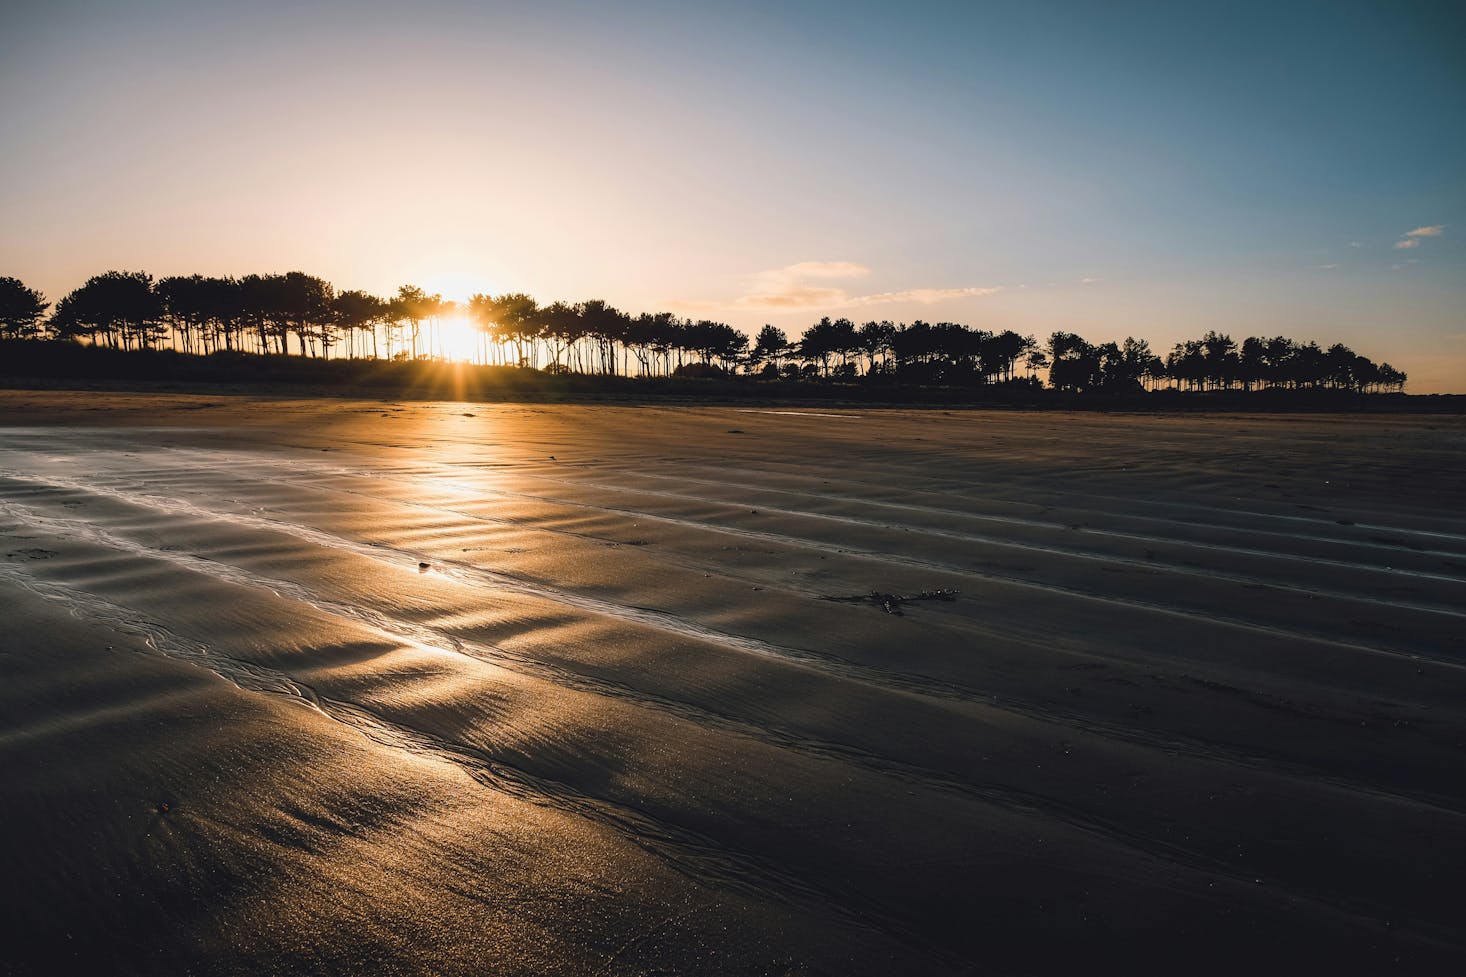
x: 1110, y: 171
x: 458, y: 339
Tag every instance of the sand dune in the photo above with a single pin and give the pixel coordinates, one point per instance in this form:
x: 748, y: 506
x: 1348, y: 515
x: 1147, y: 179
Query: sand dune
x: 310, y: 687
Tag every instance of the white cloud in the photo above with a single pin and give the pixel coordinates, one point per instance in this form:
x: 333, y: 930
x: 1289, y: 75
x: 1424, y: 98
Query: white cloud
x: 794, y: 297
x: 821, y: 269
x: 1088, y: 281
x: 805, y: 285
x: 1412, y: 238
x: 1324, y: 267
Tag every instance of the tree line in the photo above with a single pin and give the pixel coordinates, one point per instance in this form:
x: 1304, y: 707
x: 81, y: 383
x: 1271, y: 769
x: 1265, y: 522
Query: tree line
x: 300, y: 314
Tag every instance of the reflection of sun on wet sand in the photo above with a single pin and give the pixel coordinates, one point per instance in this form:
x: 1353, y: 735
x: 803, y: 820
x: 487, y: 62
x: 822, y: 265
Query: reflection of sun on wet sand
x: 316, y: 687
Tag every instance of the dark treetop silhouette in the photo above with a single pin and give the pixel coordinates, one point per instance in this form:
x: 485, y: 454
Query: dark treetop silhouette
x: 21, y: 309
x: 300, y: 314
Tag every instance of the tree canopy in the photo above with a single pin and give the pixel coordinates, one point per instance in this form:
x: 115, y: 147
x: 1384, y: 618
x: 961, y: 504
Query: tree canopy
x: 299, y: 314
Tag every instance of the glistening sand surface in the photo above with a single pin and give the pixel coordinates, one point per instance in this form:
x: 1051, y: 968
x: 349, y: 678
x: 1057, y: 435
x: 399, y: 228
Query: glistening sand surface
x: 1199, y: 707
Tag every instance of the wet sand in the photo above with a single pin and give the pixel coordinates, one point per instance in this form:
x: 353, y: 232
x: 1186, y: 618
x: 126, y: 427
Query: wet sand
x: 343, y: 687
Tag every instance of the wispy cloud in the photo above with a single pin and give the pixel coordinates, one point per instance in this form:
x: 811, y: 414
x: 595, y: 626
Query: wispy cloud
x: 790, y: 287
x: 806, y: 285
x: 923, y: 296
x: 1411, y: 239
x: 1088, y: 280
x: 794, y: 297
x: 821, y: 269
x: 1325, y: 267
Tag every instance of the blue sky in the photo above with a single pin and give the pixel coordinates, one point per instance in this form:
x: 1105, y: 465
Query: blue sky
x: 1106, y: 168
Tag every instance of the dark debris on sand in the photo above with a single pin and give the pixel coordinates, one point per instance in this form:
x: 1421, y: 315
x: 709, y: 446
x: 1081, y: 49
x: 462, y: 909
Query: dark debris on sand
x: 891, y: 603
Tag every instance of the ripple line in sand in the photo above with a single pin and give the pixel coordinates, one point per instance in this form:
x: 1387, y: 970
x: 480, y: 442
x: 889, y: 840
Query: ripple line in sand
x: 691, y: 853
x: 694, y: 855
x: 412, y: 634
x: 1246, y: 514
x: 278, y: 472
x: 1044, y: 524
x: 668, y: 622
x: 1076, y: 554
x: 1067, y: 552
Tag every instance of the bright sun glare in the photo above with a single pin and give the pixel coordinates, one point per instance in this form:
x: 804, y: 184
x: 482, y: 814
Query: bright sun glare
x: 457, y: 339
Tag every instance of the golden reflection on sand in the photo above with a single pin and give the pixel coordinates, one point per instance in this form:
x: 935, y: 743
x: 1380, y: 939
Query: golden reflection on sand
x: 456, y: 688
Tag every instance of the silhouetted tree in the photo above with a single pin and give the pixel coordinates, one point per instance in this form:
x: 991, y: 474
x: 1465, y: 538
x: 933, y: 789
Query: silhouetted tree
x: 875, y: 340
x: 562, y: 328
x: 259, y: 304
x: 412, y: 306
x: 1186, y: 363
x: 1074, y: 364
x: 1130, y: 365
x: 1339, y: 367
x: 188, y: 307
x: 515, y: 320
x: 21, y: 309
x: 1391, y: 378
x: 1220, y: 359
x: 642, y: 337
x: 116, y: 308
x: 1005, y: 349
x: 216, y: 307
x: 1252, y: 360
x: 845, y: 340
x: 605, y: 326
x: 822, y: 341
x: 716, y: 340
x: 768, y: 349
x: 357, y: 312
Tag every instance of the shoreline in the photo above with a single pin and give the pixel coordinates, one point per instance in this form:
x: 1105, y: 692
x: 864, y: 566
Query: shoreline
x: 438, y: 688
x: 701, y: 393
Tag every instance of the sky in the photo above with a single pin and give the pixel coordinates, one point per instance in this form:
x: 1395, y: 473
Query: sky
x: 1106, y: 168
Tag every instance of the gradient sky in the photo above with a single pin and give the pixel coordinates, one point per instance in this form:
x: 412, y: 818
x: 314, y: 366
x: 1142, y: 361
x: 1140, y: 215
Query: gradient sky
x: 1107, y: 168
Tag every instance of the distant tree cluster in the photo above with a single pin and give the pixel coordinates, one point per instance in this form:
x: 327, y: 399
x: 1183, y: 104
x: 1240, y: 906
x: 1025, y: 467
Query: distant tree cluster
x: 256, y: 313
x: 1215, y: 362
x: 950, y: 354
x: 943, y: 353
x: 300, y: 314
x: 595, y: 337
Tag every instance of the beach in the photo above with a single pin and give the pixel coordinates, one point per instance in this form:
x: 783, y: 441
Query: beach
x: 319, y: 686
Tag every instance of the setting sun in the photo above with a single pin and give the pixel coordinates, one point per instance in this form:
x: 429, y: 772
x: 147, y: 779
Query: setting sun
x: 555, y: 487
x: 458, y: 339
